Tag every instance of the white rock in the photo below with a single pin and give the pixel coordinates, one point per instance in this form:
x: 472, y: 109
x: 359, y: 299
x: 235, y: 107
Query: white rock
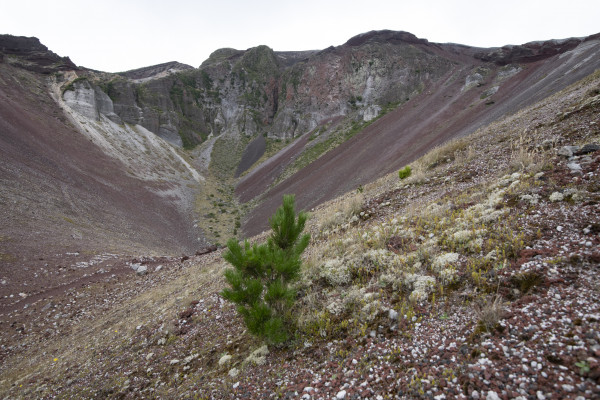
x: 341, y: 395
x: 149, y: 356
x: 574, y: 166
x: 393, y: 314
x: 233, y: 372
x: 142, y: 270
x: 540, y: 395
x: 559, y: 228
x: 174, y: 361
x: 491, y: 395
x: 235, y: 385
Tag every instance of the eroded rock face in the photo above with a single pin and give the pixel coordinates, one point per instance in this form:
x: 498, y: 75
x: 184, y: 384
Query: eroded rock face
x: 279, y: 94
x: 89, y: 100
x: 287, y: 94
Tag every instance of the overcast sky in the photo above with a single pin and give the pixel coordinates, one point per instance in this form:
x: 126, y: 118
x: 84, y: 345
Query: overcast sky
x: 118, y: 35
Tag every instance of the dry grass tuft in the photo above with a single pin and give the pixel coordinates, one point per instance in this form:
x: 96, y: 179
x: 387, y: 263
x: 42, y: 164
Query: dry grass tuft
x: 489, y: 311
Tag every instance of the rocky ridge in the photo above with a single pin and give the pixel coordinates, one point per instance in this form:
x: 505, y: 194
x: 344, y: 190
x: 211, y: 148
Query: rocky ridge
x: 30, y: 54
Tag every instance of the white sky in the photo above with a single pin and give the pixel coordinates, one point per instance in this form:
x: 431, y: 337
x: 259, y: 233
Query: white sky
x: 118, y: 35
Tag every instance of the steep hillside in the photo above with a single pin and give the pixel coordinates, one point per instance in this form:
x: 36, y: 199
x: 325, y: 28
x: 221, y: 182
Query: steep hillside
x: 475, y: 88
x: 72, y: 183
x: 475, y: 277
x: 404, y: 94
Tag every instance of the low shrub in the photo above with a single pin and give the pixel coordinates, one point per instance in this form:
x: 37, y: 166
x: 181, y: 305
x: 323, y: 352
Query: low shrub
x: 405, y: 172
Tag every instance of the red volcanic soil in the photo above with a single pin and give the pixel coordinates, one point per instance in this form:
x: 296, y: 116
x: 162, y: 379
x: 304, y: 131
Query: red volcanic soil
x: 441, y: 112
x: 60, y: 194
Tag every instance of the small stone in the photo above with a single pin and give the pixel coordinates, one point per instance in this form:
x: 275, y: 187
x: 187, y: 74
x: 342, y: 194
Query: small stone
x: 567, y: 151
x: 158, y: 268
x: 540, y: 395
x: 574, y: 167
x: 174, y: 361
x: 393, y: 314
x: 341, y: 395
x: 149, y: 356
x: 233, y: 372
x: 235, y: 385
x: 559, y: 228
x: 475, y: 394
x: 142, y: 270
x: 492, y: 396
x: 568, y: 388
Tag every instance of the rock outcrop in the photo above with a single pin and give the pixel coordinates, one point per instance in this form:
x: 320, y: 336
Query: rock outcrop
x: 528, y: 52
x: 30, y: 54
x: 90, y: 101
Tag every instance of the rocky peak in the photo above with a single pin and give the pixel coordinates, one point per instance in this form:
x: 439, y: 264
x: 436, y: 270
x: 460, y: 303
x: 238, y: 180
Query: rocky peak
x: 220, y: 55
x: 20, y: 45
x: 156, y: 71
x: 528, y: 52
x: 30, y: 54
x: 385, y: 36
x: 260, y: 59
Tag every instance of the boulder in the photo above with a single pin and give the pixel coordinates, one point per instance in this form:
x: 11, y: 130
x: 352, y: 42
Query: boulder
x: 142, y: 270
x: 588, y: 148
x: 567, y: 151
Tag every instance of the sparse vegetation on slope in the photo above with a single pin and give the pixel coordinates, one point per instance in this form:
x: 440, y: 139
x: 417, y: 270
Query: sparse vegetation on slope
x: 474, y: 277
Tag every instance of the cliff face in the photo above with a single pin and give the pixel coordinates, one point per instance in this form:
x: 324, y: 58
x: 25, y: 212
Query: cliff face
x: 284, y: 95
x: 278, y: 94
